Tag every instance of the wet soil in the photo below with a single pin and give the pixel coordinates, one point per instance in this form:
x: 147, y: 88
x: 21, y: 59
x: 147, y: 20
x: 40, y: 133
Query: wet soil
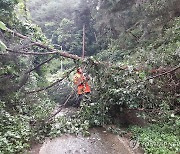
x: 100, y: 142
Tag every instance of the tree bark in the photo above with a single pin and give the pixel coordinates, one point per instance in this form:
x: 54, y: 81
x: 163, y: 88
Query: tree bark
x: 52, y: 51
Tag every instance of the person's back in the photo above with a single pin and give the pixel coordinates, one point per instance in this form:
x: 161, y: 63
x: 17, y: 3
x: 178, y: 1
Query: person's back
x: 82, y: 84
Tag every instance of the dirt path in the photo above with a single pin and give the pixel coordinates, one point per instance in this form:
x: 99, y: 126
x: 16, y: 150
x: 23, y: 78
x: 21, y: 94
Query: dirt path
x: 100, y: 142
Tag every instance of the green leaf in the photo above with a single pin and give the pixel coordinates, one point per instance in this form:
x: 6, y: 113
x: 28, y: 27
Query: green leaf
x: 20, y: 1
x: 3, y: 47
x: 2, y: 26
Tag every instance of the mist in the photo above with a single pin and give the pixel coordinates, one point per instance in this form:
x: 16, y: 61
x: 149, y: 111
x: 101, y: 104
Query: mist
x: 51, y: 10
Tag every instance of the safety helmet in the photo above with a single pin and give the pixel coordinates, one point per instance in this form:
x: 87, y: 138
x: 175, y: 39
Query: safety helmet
x: 78, y: 69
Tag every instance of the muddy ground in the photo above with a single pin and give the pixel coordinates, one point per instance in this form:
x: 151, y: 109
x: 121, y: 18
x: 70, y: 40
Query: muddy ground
x: 100, y: 142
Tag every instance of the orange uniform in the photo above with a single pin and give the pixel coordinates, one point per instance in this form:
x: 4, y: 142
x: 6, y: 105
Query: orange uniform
x: 82, y: 85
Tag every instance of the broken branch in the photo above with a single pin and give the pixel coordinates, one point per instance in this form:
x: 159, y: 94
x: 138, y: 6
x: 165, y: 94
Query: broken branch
x: 48, y: 60
x: 176, y: 68
x: 52, y: 51
x: 53, y: 84
x: 60, y: 108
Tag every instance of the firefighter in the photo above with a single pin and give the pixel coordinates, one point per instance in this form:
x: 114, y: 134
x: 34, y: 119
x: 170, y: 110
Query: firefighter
x: 81, y: 82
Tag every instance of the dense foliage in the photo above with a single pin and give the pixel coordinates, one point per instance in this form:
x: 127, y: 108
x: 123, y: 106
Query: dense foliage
x: 18, y: 111
x: 129, y: 40
x: 158, y: 138
x: 62, y: 22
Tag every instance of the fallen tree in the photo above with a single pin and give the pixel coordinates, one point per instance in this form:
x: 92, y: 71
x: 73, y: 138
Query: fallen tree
x: 33, y: 43
x: 65, y: 54
x: 53, y: 84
